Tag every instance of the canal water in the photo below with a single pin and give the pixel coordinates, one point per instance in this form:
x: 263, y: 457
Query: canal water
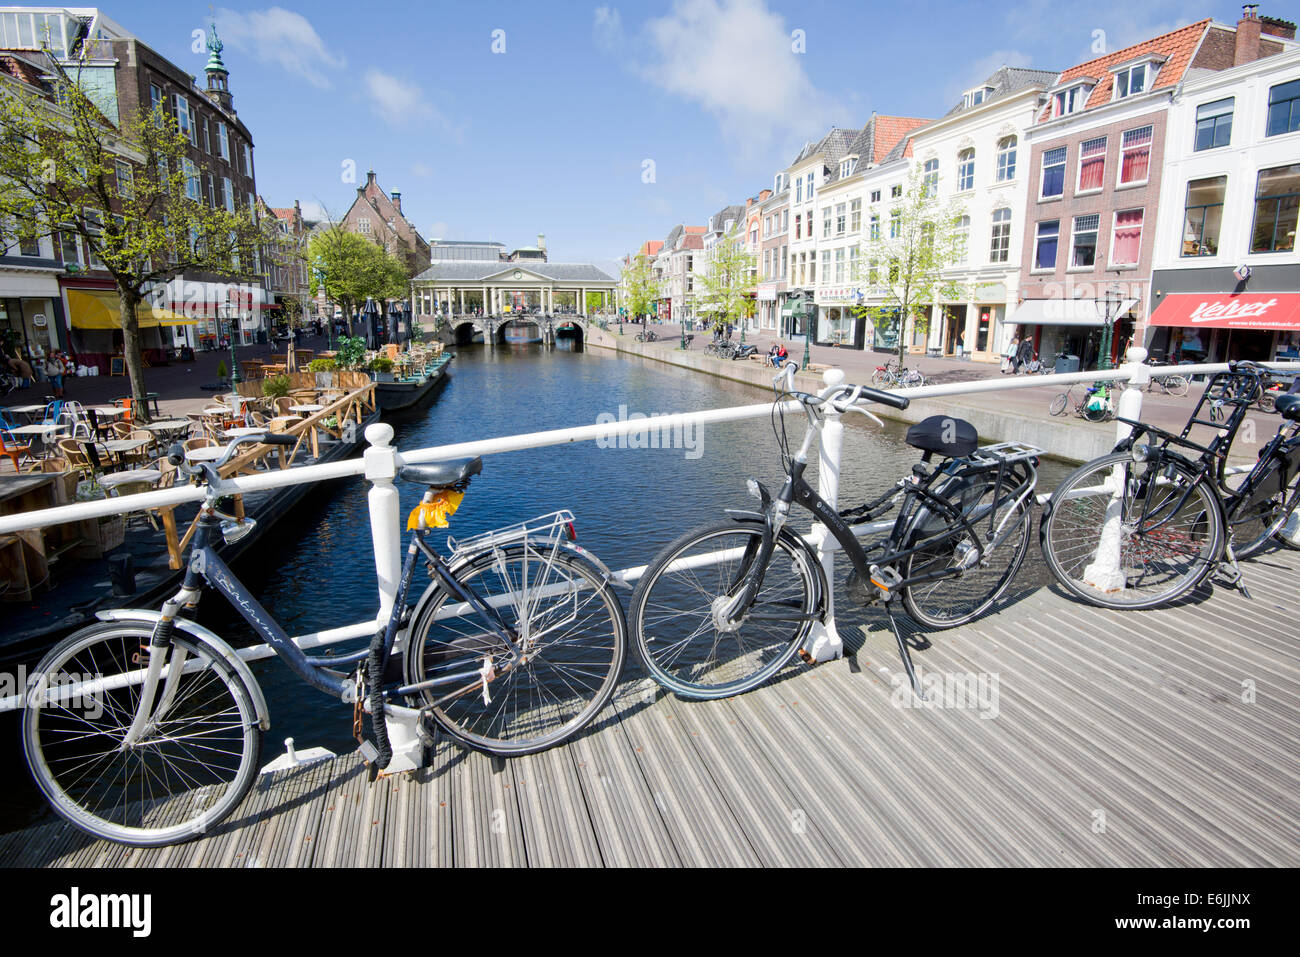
x: 316, y: 570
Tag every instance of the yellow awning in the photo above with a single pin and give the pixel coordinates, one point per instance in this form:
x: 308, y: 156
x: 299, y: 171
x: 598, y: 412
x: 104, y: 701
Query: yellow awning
x: 99, y: 309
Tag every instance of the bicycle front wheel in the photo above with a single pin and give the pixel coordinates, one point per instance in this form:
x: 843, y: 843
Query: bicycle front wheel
x: 1128, y: 535
x: 1175, y: 385
x: 686, y: 647
x: 193, y: 763
x: 1058, y: 405
x: 979, y: 567
x: 573, y: 641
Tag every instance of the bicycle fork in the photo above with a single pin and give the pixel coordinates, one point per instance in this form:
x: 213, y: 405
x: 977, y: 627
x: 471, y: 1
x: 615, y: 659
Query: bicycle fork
x: 148, y: 714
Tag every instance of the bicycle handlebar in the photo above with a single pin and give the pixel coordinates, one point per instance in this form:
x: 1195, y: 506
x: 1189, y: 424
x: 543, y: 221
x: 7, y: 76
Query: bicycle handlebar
x: 881, y: 397
x: 176, y: 454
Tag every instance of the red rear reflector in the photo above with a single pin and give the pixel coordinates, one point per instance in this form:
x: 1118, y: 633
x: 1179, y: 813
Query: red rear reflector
x: 573, y: 531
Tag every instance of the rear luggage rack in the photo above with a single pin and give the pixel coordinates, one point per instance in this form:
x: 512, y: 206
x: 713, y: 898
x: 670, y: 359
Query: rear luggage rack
x: 1005, y: 453
x: 545, y: 529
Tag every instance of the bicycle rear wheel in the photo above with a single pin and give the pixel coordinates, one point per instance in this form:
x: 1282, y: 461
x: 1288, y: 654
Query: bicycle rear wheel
x: 956, y: 600
x: 1263, y: 512
x: 571, y: 627
x: 189, y: 769
x: 1058, y: 404
x: 1124, y: 534
x: 1174, y: 384
x: 674, y: 628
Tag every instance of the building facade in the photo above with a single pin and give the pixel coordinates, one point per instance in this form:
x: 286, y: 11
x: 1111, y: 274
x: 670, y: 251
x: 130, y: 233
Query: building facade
x: 378, y: 216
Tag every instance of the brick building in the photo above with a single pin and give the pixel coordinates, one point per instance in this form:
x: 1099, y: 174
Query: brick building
x: 378, y: 216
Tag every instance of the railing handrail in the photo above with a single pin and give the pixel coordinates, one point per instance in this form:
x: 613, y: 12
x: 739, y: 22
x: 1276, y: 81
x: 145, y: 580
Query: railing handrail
x: 79, y: 511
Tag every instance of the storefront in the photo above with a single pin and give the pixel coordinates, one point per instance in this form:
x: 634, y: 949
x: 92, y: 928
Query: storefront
x: 767, y: 305
x: 95, y: 318
x: 837, y: 321
x: 1213, y: 315
x: 797, y: 315
x: 1076, y: 328
x: 31, y: 313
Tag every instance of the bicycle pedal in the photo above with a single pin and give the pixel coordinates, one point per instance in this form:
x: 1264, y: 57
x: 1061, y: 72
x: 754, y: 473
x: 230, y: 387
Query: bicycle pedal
x: 807, y: 657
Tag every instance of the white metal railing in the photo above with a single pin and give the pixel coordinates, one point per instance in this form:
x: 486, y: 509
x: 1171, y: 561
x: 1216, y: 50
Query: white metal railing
x: 380, y: 463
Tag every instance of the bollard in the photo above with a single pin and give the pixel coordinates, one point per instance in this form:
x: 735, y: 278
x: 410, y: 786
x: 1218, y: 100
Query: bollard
x: 824, y: 642
x: 381, y: 468
x: 1106, y: 571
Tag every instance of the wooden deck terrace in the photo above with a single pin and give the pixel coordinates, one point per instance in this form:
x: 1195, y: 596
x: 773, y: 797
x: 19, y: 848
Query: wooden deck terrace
x: 1158, y: 738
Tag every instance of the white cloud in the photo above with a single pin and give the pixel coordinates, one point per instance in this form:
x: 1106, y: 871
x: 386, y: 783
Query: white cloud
x: 438, y: 230
x: 706, y: 51
x: 396, y: 101
x: 280, y: 36
x: 421, y: 169
x: 607, y: 29
x: 314, y: 210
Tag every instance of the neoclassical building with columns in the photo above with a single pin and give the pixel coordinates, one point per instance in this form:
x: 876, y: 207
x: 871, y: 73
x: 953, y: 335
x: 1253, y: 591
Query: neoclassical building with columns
x: 496, y: 288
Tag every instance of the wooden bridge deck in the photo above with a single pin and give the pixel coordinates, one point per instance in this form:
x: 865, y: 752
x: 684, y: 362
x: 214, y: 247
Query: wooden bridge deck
x: 1166, y: 737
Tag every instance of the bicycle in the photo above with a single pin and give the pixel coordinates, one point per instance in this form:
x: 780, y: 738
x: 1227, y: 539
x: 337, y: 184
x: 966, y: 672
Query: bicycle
x: 647, y: 336
x: 1170, y: 383
x: 1145, y: 524
x: 725, y: 607
x: 514, y: 646
x: 722, y: 348
x: 1095, y: 404
x: 891, y: 374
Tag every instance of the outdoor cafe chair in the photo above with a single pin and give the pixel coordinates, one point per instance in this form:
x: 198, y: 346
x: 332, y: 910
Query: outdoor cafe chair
x: 12, y: 450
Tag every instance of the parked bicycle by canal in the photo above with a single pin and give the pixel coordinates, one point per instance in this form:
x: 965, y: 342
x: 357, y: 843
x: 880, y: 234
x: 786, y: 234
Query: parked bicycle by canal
x: 725, y: 607
x: 1146, y: 524
x: 1093, y: 404
x: 514, y: 646
x: 892, y: 375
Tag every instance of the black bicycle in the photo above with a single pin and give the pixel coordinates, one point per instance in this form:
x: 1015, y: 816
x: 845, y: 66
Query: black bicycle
x: 725, y: 607
x: 1147, y: 523
x: 647, y: 335
x: 146, y: 729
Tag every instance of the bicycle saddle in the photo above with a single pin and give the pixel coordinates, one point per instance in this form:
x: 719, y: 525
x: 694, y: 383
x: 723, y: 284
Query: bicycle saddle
x: 944, y: 434
x: 441, y: 474
x: 1288, y: 406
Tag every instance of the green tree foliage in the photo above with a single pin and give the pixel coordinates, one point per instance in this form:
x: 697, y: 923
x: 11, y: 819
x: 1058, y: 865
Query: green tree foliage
x: 918, y: 242
x: 127, y: 192
x: 639, y: 287
x: 727, y: 283
x: 351, y: 269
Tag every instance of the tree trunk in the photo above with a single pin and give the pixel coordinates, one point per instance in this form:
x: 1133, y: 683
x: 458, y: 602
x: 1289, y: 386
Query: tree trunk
x: 128, y: 299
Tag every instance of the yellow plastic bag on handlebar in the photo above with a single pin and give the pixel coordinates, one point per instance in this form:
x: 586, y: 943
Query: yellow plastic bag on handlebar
x: 437, y: 512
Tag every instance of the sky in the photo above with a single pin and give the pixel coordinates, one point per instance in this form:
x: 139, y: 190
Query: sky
x: 600, y: 125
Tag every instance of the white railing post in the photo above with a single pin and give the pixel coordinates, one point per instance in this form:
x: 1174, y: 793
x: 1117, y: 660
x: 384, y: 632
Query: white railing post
x: 381, y: 468
x: 1106, y: 570
x: 824, y: 642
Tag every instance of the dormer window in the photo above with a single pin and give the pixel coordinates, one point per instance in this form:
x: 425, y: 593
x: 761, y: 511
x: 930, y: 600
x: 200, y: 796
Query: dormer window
x: 1134, y: 78
x: 976, y: 96
x: 1071, y: 99
x: 847, y: 166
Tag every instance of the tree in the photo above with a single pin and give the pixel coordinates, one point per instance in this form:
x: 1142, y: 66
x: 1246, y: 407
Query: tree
x: 727, y: 283
x: 909, y: 256
x: 351, y: 269
x: 129, y: 192
x: 640, y: 290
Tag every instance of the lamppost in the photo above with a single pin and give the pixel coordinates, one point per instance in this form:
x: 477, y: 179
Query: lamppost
x: 235, y: 377
x: 800, y: 310
x: 319, y: 272
x: 1112, y: 296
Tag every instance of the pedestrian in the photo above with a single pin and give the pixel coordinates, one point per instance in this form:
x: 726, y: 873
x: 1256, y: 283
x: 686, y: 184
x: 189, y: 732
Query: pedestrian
x: 1009, y: 360
x: 960, y: 347
x: 54, y: 372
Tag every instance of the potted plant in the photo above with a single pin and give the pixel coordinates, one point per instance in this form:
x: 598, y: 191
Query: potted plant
x: 275, y: 386
x: 381, y: 369
x: 324, y: 370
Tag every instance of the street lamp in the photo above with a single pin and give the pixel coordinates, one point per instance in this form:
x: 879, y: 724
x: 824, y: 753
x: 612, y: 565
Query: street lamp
x: 319, y: 272
x: 1112, y: 296
x: 235, y: 377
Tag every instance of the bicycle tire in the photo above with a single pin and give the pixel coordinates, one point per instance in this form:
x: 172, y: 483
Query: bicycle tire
x: 1097, y: 414
x: 562, y: 695
x: 719, y: 665
x: 1267, y: 401
x: 174, y: 784
x: 879, y: 380
x: 945, y: 603
x: 1189, y: 528
x: 1175, y: 385
x: 1256, y: 520
x: 1058, y: 404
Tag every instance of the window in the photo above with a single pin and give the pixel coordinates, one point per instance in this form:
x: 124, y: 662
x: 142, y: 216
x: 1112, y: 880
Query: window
x: 798, y: 224
x: 69, y: 246
x: 784, y: 260
x: 1283, y: 108
x: 1092, y: 164
x: 895, y: 191
x: 1006, y: 159
x: 1000, y: 244
x: 125, y: 179
x: 975, y: 97
x: 927, y: 235
x: 826, y: 265
x: 155, y: 96
x: 1083, y: 246
x: 211, y: 190
x: 874, y: 226
x: 228, y: 193
x: 1277, y: 197
x: 95, y: 228
x: 1203, y: 215
x: 191, y: 180
x: 1068, y: 101
x: 812, y: 270
x: 839, y: 265
x: 855, y: 216
x: 1213, y: 124
x: 223, y: 141
x: 810, y: 187
x: 853, y: 264
x: 966, y: 170
x: 363, y: 225
x: 895, y: 224
x: 1126, y: 244
x: 847, y: 167
x: 1135, y: 156
x: 207, y: 138
x: 962, y: 243
x: 875, y: 195
x: 1045, y: 243
x: 798, y: 190
x: 1053, y: 173
x: 1131, y: 81
x: 826, y: 223
x: 785, y: 220
x: 184, y: 118
x: 930, y: 181
x: 873, y: 273
x: 841, y: 219
x: 248, y: 160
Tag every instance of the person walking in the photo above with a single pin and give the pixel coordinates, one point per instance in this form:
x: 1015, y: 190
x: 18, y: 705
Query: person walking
x: 1009, y: 360
x: 54, y: 372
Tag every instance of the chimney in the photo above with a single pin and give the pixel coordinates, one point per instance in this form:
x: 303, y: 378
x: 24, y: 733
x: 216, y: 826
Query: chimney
x: 397, y: 199
x: 541, y: 241
x: 1273, y: 27
x: 1248, y: 30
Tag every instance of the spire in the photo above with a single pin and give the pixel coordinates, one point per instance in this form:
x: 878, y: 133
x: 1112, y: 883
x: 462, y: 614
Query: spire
x: 218, y: 76
x: 215, y: 46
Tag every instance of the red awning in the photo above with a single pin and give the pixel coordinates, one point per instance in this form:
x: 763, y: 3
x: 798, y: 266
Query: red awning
x: 1265, y: 310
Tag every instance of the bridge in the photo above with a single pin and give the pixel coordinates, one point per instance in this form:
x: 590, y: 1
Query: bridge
x: 495, y: 330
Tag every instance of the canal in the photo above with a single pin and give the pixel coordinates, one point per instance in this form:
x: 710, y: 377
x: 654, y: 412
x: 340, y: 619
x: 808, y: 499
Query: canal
x: 317, y: 571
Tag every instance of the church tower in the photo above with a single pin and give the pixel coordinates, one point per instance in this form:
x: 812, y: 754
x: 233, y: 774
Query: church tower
x: 218, y: 77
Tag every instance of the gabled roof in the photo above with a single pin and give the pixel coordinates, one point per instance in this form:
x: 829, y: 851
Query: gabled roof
x: 872, y: 143
x: 1178, y: 46
x: 735, y: 213
x: 832, y: 146
x: 1007, y: 80
x: 650, y: 247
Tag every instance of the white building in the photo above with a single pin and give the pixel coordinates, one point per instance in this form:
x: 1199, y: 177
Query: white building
x: 1229, y: 198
